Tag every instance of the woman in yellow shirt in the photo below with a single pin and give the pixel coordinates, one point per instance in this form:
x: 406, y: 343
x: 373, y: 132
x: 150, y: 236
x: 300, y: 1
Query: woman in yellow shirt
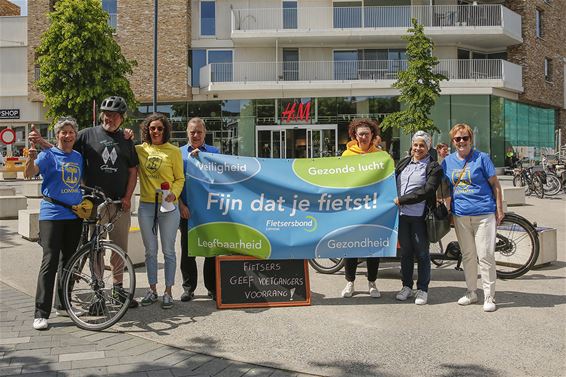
x: 364, y: 135
x: 161, y: 178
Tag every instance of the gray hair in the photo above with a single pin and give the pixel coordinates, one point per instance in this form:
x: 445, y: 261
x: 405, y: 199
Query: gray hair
x: 65, y: 121
x: 197, y: 120
x: 423, y: 135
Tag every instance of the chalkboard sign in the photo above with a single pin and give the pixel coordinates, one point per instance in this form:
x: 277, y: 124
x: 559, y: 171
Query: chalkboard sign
x: 249, y: 282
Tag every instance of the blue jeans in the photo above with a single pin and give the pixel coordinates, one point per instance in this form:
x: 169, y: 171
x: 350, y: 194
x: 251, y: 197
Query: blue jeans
x: 167, y: 223
x: 413, y: 240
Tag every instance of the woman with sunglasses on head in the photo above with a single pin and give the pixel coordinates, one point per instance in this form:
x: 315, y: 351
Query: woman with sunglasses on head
x: 161, y: 179
x: 477, y: 210
x: 59, y: 228
x: 363, y: 134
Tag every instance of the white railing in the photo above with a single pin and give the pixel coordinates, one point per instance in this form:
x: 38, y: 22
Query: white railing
x: 325, y: 18
x: 453, y: 69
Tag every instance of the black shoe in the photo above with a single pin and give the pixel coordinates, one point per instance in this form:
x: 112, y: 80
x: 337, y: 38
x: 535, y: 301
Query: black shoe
x: 187, y: 295
x: 120, y: 294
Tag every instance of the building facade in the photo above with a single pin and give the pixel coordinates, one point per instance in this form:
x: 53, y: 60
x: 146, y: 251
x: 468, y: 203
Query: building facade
x: 16, y: 110
x: 283, y: 78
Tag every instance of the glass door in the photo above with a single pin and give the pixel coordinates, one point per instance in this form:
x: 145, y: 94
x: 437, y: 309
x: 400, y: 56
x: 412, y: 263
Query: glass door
x: 301, y: 141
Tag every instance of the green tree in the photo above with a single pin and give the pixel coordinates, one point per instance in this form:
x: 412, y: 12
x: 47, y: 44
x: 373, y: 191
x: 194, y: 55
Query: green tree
x: 419, y: 85
x: 80, y: 61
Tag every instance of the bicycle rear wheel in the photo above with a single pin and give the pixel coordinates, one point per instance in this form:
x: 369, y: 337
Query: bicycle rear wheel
x: 88, y: 282
x: 436, y: 252
x: 327, y: 265
x: 516, y: 247
x: 553, y: 185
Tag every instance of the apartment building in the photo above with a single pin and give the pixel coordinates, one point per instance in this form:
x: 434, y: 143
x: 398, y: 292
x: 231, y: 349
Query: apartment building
x: 283, y: 78
x: 16, y: 111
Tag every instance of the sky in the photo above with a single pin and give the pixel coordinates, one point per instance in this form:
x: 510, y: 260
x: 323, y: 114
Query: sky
x: 23, y: 4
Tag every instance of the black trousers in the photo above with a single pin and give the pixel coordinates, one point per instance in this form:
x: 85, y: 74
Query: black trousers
x: 189, y: 264
x: 59, y: 240
x: 351, y: 267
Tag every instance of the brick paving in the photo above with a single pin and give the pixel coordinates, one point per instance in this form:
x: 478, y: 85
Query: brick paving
x: 65, y: 350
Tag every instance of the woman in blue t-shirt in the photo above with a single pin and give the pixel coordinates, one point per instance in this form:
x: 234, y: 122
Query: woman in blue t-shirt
x: 59, y: 228
x: 477, y: 210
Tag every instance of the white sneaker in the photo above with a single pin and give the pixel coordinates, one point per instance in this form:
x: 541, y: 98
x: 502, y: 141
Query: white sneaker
x: 489, y: 304
x: 65, y: 313
x: 373, y: 291
x: 40, y: 324
x: 421, y: 297
x: 404, y: 293
x: 469, y: 298
x: 348, y: 291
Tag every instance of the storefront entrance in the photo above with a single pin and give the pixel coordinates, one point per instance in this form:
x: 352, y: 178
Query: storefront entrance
x: 296, y: 141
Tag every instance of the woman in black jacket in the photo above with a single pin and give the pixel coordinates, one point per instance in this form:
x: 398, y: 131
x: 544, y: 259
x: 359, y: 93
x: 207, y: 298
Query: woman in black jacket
x: 418, y: 178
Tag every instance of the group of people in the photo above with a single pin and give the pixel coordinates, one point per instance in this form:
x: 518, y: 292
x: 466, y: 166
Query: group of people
x: 106, y: 157
x: 473, y: 194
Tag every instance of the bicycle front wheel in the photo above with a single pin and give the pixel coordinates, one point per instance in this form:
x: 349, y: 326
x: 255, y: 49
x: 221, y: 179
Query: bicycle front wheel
x: 88, y: 280
x: 538, y: 187
x: 516, y: 247
x: 327, y: 265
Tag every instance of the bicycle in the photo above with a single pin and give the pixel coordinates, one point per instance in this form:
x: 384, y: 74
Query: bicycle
x: 532, y: 179
x: 516, y: 250
x: 553, y: 183
x: 87, y: 279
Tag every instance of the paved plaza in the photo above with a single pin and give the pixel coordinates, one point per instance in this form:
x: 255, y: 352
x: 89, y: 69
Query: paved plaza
x: 359, y: 336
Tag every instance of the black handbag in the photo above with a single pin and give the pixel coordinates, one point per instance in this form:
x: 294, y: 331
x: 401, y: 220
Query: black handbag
x: 437, y: 223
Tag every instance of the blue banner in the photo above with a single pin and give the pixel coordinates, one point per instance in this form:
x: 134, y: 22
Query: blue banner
x: 292, y: 209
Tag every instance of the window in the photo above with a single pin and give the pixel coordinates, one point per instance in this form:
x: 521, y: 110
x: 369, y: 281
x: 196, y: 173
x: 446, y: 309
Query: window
x: 207, y: 17
x: 221, y: 71
x: 290, y: 64
x: 548, y: 69
x: 197, y: 60
x: 289, y: 14
x: 348, y: 14
x: 346, y: 65
x: 538, y: 23
x: 111, y: 6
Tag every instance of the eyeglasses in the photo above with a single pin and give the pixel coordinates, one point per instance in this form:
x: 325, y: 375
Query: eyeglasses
x: 364, y: 134
x: 158, y: 129
x: 458, y: 139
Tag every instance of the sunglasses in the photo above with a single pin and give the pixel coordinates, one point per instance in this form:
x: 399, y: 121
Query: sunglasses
x: 160, y: 129
x: 458, y: 139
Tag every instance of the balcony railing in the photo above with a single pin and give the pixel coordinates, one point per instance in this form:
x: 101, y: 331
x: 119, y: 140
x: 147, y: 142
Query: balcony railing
x: 281, y: 72
x: 325, y: 18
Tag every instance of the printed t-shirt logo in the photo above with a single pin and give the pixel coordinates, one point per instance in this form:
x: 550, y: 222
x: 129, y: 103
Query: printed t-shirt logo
x: 70, y: 173
x: 466, y: 178
x: 153, y: 163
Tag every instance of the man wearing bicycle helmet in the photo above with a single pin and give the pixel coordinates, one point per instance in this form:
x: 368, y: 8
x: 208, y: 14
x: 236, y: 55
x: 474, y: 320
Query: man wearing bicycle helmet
x: 110, y: 164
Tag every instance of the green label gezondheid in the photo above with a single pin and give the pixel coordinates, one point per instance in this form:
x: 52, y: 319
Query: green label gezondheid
x: 343, y: 172
x: 219, y: 238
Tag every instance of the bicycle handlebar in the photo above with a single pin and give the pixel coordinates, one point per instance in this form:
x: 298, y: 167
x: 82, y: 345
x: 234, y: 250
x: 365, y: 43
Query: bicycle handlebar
x: 97, y: 192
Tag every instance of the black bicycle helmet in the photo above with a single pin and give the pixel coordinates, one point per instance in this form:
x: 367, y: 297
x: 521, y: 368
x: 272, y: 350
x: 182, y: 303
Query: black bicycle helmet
x: 114, y: 103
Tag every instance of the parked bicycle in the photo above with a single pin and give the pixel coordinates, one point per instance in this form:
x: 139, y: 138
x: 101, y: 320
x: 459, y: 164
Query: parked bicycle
x: 553, y: 172
x: 87, y: 279
x: 516, y: 250
x: 532, y: 179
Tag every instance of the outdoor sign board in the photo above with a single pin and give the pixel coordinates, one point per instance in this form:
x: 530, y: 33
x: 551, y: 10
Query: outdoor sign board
x: 243, y: 282
x: 9, y: 113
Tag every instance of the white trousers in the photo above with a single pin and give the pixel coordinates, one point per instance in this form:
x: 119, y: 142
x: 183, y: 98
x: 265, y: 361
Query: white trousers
x: 476, y: 236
